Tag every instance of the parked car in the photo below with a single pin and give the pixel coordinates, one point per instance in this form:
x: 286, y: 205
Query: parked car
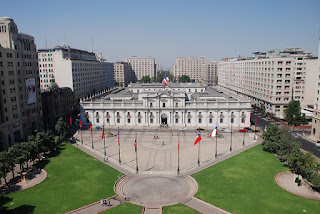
x: 318, y: 144
x: 248, y: 128
x: 243, y: 130
x: 224, y: 130
x: 200, y: 128
x: 255, y: 130
x: 98, y: 127
x: 182, y: 129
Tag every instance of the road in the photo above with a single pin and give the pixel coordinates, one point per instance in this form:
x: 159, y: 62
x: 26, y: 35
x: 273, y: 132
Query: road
x: 306, y: 145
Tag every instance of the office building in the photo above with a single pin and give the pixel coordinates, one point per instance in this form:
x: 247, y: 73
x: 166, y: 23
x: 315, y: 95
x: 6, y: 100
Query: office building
x: 190, y: 66
x: 123, y: 73
x: 20, y: 98
x: 143, y: 67
x: 76, y: 69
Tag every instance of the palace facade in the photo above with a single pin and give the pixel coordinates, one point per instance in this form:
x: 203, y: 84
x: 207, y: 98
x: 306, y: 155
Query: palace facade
x: 177, y: 104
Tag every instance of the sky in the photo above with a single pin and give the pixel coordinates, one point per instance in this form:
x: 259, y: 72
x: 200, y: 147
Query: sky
x: 167, y: 29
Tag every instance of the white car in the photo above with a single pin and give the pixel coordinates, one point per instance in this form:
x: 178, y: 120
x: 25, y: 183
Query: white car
x: 182, y: 129
x: 318, y: 144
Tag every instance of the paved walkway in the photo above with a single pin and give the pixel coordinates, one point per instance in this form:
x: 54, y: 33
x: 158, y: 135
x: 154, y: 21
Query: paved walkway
x: 97, y: 207
x: 286, y: 180
x: 204, y: 207
x: 33, y: 178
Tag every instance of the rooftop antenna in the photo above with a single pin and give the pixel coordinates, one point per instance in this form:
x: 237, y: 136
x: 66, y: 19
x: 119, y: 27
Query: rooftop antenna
x: 92, y: 43
x: 45, y: 38
x: 65, y: 39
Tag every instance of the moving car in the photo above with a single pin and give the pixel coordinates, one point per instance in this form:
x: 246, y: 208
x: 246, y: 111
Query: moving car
x: 248, y: 128
x: 200, y: 128
x: 318, y: 144
x: 182, y: 129
x: 243, y: 130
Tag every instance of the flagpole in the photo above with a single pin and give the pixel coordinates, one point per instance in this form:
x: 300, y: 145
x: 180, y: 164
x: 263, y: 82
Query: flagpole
x: 104, y: 143
x: 231, y: 139
x: 199, y: 155
x: 178, y: 153
x: 119, y: 145
x: 216, y: 143
x: 244, y: 133
x: 137, y: 169
x: 91, y: 136
x: 255, y: 128
x: 81, y: 135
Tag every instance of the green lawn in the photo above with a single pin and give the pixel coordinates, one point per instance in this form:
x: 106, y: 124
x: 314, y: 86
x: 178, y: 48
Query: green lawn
x: 245, y: 184
x: 125, y: 208
x: 179, y: 209
x: 74, y: 179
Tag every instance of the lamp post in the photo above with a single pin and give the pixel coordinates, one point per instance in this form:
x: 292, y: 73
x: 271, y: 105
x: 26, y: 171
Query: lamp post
x: 178, y: 171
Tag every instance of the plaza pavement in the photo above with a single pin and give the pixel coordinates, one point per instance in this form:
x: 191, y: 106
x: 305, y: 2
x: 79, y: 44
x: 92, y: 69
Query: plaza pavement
x: 157, y: 148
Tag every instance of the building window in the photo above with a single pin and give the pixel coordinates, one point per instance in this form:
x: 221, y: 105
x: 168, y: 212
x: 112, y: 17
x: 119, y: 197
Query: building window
x: 231, y: 120
x: 97, y: 120
x: 177, y: 120
x: 129, y: 120
x: 210, y: 120
x: 200, y: 120
x: 118, y: 120
x: 150, y: 105
x: 108, y: 120
x: 139, y: 120
x: 221, y: 120
x: 163, y: 104
x: 242, y: 120
x: 176, y: 104
x: 189, y: 120
x: 151, y: 120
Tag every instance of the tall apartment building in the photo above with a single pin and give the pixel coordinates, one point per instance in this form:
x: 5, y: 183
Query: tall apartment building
x: 77, y: 69
x: 190, y: 66
x: 123, y: 73
x: 209, y: 73
x: 143, y: 67
x: 20, y: 98
x: 315, y: 131
x: 272, y: 78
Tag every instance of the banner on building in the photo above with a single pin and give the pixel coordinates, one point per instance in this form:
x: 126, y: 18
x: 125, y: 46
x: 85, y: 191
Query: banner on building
x: 31, y: 88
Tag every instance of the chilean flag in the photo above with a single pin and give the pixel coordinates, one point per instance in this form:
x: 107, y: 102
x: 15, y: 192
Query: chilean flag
x: 118, y: 137
x: 80, y: 124
x: 167, y: 79
x: 164, y: 81
x: 102, y: 131
x: 91, y: 127
x: 214, y: 132
x: 135, y: 144
x: 70, y: 119
x: 198, y: 138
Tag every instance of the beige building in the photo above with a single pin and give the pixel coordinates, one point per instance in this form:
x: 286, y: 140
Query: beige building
x: 272, y: 78
x: 123, y: 73
x: 20, y: 98
x: 315, y: 131
x: 76, y: 69
x: 190, y: 66
x: 142, y: 67
x: 209, y: 73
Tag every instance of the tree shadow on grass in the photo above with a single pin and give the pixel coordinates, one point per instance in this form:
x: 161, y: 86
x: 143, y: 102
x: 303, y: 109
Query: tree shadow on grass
x: 23, y: 209
x: 43, y: 162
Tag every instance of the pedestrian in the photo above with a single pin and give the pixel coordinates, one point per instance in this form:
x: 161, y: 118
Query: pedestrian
x: 109, y: 204
x: 101, y: 202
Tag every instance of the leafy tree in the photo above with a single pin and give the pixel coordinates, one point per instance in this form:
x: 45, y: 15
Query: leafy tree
x: 184, y: 78
x: 76, y: 105
x: 272, y: 138
x: 293, y: 113
x: 262, y: 109
x: 19, y: 154
x: 216, y: 80
x: 145, y: 79
x: 286, y: 147
x: 304, y: 120
x: 62, y: 128
x: 165, y: 74
x: 5, y: 164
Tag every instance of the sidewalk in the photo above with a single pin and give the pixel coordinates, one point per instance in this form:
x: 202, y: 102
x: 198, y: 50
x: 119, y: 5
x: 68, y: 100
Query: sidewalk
x: 204, y: 207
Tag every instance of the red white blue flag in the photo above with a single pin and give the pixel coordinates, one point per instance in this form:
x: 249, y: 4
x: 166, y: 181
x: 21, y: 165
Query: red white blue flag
x: 91, y: 127
x: 198, y: 138
x: 80, y: 124
x: 135, y: 144
x: 164, y: 81
x: 102, y: 132
x: 214, y: 132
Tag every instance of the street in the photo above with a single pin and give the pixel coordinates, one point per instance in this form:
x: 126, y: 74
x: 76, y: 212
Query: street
x: 306, y: 145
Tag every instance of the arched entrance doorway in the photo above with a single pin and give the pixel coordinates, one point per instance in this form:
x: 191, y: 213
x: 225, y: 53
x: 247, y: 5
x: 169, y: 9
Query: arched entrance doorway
x: 164, y: 120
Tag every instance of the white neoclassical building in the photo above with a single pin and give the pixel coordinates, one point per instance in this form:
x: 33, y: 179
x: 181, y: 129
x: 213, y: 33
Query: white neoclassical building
x: 177, y: 104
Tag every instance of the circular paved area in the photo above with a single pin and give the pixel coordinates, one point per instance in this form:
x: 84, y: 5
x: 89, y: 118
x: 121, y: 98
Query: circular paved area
x: 159, y: 190
x: 286, y: 181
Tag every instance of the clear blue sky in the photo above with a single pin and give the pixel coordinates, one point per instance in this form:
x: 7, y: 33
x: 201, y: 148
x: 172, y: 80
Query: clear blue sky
x: 167, y: 29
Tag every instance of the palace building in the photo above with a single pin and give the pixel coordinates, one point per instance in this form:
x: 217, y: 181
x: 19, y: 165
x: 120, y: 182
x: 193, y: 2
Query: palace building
x: 177, y: 105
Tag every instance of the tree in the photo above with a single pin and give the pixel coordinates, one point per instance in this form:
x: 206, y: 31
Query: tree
x: 184, y: 78
x: 293, y: 113
x: 62, y: 128
x: 5, y: 164
x: 287, y: 147
x: 262, y: 109
x: 272, y: 138
x: 165, y: 74
x: 145, y: 79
